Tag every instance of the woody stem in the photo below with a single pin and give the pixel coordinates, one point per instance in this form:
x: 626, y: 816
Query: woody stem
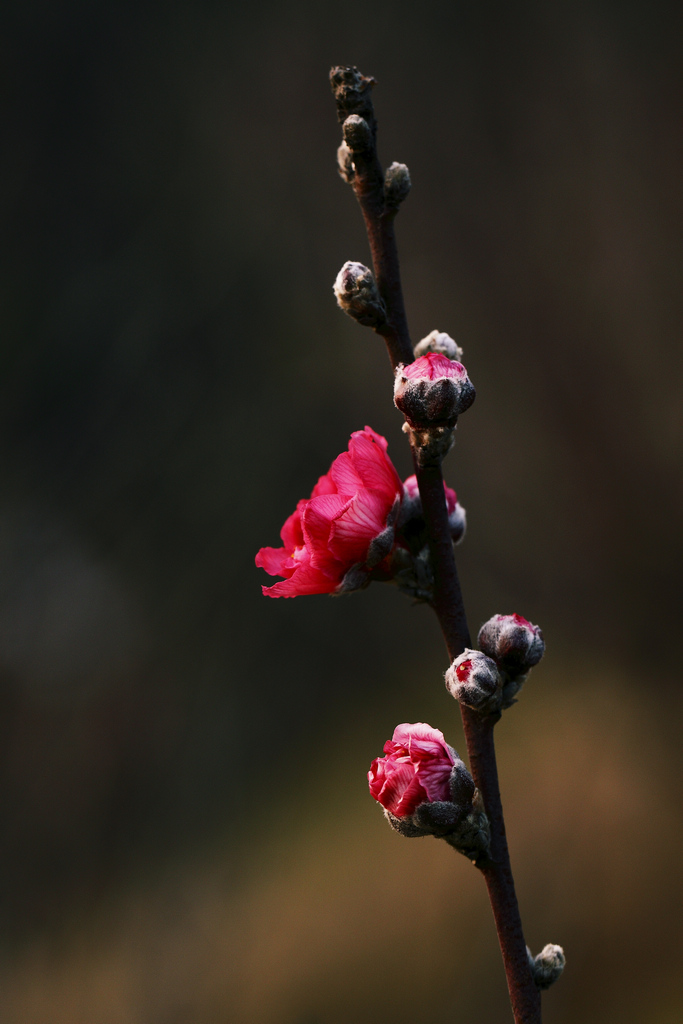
x: 368, y: 185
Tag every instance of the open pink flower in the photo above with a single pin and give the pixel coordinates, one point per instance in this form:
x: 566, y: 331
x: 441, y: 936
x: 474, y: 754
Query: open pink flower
x: 417, y: 768
x: 347, y: 523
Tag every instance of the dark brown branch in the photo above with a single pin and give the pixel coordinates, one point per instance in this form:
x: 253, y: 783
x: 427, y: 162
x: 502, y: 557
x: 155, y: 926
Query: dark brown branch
x: 449, y: 607
x: 352, y: 93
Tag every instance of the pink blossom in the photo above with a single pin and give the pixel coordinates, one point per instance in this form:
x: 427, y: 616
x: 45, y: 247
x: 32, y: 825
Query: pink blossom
x: 347, y: 523
x: 417, y: 768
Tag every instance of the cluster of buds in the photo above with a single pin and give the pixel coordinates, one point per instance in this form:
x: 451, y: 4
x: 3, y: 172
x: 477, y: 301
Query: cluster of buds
x: 411, y: 565
x: 431, y: 393
x: 426, y: 790
x: 488, y: 680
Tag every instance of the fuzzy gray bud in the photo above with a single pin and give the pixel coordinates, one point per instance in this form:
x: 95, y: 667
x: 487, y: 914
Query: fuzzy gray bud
x: 357, y: 135
x: 513, y: 642
x: 438, y: 341
x: 547, y: 966
x: 357, y: 295
x: 474, y: 680
x: 345, y: 163
x: 396, y: 184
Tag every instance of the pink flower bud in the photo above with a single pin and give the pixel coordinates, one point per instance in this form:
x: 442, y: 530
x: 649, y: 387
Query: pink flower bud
x: 474, y: 680
x: 432, y: 391
x: 513, y: 642
x: 333, y: 539
x: 417, y: 769
x: 411, y: 514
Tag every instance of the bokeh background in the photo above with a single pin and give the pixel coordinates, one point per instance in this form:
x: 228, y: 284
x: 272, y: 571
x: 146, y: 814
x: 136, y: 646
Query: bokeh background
x: 186, y: 832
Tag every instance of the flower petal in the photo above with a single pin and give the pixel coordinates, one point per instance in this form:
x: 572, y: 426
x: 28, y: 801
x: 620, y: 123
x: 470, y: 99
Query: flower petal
x: 318, y: 516
x: 356, y: 527
x: 373, y: 466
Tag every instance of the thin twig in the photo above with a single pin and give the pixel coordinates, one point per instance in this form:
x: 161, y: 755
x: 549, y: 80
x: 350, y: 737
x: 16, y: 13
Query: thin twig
x: 368, y: 184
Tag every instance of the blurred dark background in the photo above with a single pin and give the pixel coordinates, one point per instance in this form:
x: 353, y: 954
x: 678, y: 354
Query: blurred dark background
x: 186, y: 831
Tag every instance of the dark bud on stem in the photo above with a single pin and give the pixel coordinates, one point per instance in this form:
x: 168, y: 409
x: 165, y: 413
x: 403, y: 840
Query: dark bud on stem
x: 396, y: 185
x: 352, y: 92
x: 432, y: 391
x: 357, y: 135
x: 474, y: 680
x: 357, y: 295
x: 513, y: 642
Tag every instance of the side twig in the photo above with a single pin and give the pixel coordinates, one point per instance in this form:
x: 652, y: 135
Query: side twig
x: 352, y: 93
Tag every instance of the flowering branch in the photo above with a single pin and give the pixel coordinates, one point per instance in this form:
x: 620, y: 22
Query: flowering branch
x: 361, y: 523
x: 352, y: 94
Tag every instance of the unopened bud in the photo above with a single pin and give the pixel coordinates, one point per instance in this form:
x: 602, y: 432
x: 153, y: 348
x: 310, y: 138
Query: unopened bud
x: 547, y: 966
x: 513, y: 642
x: 457, y: 517
x: 352, y: 91
x: 396, y: 184
x: 411, y: 519
x: 358, y: 296
x: 432, y: 391
x: 474, y: 680
x: 439, y: 342
x: 345, y: 163
x: 357, y: 135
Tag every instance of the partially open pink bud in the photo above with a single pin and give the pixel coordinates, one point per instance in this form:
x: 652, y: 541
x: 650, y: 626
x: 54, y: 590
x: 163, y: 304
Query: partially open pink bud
x: 412, y: 509
x: 474, y: 680
x: 417, y: 768
x: 513, y: 642
x: 432, y: 391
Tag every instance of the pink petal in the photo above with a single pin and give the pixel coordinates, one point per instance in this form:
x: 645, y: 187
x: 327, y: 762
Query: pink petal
x: 410, y: 486
x: 416, y: 731
x: 292, y: 533
x: 434, y: 778
x: 306, y: 579
x: 433, y: 366
x: 318, y: 517
x: 325, y: 485
x: 410, y: 798
x: 345, y: 475
x: 356, y: 526
x: 373, y: 435
x: 373, y: 466
x: 274, y: 561
x: 390, y: 782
